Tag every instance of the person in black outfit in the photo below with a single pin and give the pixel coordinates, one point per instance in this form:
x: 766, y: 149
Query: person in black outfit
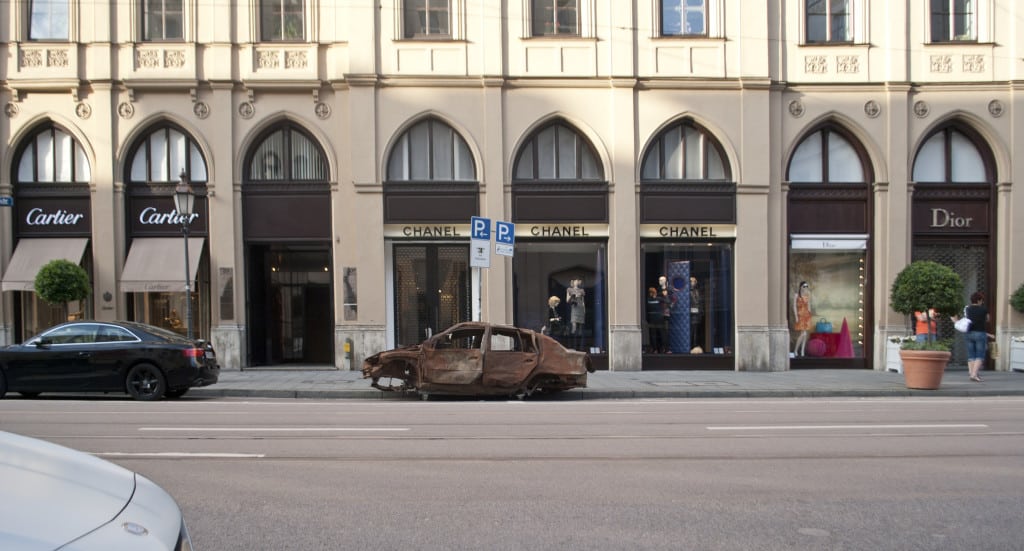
x: 977, y: 336
x: 656, y: 331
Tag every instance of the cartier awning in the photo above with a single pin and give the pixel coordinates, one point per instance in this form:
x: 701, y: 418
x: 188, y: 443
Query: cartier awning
x: 32, y: 254
x: 157, y: 264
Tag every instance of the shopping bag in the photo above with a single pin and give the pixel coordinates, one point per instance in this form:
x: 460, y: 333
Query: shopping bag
x: 823, y: 326
x: 963, y: 324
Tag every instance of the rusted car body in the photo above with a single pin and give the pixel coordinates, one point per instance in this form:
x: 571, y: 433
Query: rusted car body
x: 480, y: 359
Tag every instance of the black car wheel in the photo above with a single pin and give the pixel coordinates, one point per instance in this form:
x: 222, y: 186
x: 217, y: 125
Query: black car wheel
x: 145, y: 382
x: 176, y: 393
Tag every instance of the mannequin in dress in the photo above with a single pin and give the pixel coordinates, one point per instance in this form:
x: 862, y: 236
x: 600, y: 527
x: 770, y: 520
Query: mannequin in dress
x: 575, y: 296
x: 802, y: 316
x: 696, y: 315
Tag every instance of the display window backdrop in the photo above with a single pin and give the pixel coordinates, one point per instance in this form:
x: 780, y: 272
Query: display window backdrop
x: 542, y: 271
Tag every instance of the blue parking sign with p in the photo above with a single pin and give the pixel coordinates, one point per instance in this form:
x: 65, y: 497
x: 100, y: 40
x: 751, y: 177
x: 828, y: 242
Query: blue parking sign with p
x: 480, y: 228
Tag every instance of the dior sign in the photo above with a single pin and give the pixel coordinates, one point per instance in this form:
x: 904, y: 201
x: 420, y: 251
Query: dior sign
x: 944, y: 218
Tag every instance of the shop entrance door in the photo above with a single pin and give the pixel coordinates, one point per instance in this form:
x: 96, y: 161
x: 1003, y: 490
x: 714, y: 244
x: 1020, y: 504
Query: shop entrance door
x: 290, y: 314
x: 432, y: 289
x: 970, y: 262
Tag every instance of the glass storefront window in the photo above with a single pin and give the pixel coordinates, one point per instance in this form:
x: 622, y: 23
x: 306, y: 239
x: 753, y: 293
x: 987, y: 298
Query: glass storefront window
x: 831, y: 312
x: 168, y: 310
x: 559, y: 288
x: 696, y: 280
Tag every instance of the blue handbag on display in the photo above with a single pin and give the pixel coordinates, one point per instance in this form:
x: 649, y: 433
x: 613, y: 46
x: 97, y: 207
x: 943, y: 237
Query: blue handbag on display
x: 823, y: 326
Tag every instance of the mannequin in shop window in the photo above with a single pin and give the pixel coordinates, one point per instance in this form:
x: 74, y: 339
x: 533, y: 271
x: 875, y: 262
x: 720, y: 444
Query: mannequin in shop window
x: 802, y: 317
x: 575, y: 297
x: 696, y: 318
x: 553, y: 327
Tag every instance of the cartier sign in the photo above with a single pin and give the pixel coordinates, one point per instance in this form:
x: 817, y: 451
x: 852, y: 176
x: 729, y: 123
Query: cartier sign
x: 156, y: 217
x: 57, y: 216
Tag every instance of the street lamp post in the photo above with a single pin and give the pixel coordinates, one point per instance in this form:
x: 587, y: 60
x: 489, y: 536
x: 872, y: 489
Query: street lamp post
x: 184, y: 202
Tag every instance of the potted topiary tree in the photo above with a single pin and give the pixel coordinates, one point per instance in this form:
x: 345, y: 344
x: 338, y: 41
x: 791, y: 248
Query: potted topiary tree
x: 1017, y: 343
x: 921, y: 286
x: 62, y: 281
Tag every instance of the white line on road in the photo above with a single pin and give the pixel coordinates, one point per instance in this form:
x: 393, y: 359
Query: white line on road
x: 273, y: 429
x: 845, y: 427
x: 182, y: 454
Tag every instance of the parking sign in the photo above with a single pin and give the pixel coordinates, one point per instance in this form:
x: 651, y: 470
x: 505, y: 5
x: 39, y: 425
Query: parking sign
x: 479, y: 242
x: 504, y: 238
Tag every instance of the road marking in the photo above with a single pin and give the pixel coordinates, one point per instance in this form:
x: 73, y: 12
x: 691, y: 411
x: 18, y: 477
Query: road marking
x: 182, y: 454
x: 816, y: 427
x: 273, y: 429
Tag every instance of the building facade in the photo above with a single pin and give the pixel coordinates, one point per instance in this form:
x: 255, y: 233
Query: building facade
x: 694, y: 184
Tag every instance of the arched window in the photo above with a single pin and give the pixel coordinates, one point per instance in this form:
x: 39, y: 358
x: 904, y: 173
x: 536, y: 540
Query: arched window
x: 827, y: 156
x: 52, y: 156
x: 163, y: 154
x: 684, y: 151
x: 952, y: 155
x: 287, y: 155
x: 431, y: 151
x: 557, y: 152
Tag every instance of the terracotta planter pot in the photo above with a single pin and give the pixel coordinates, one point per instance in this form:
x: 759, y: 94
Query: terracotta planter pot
x: 923, y: 369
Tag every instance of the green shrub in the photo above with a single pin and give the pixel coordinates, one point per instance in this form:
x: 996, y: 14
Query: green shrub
x: 61, y: 281
x: 1017, y: 299
x: 925, y: 284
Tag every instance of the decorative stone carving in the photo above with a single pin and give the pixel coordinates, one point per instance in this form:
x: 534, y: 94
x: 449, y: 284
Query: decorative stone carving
x: 126, y: 110
x: 31, y: 58
x: 147, y: 59
x: 974, y: 63
x: 57, y: 58
x: 11, y: 109
x: 201, y: 110
x: 941, y: 64
x: 815, y: 64
x: 995, y: 108
x: 921, y: 109
x: 83, y: 110
x: 322, y: 110
x: 295, y: 60
x: 246, y: 110
x: 267, y: 59
x: 847, y: 64
x: 174, y: 59
x: 872, y: 109
x: 796, y: 108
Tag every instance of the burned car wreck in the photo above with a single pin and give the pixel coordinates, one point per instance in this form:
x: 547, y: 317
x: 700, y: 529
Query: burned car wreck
x: 478, y: 359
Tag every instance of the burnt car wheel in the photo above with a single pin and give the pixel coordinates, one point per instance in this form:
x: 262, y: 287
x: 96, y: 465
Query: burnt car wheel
x: 145, y: 382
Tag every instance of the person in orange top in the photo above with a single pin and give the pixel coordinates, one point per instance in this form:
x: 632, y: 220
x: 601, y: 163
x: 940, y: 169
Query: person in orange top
x: 926, y: 325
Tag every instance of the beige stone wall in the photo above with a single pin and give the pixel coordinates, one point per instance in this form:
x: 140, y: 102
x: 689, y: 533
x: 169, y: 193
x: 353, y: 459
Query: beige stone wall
x: 355, y: 85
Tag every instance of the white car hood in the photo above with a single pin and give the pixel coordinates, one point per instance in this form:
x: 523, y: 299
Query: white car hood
x: 53, y: 495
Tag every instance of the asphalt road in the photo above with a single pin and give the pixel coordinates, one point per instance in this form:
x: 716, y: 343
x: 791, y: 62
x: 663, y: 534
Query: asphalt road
x: 883, y: 473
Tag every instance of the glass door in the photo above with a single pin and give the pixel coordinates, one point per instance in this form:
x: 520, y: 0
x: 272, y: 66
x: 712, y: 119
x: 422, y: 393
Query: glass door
x: 432, y: 290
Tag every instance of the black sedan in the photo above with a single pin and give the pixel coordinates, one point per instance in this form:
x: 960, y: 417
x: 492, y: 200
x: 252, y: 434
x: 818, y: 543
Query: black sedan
x: 145, y: 361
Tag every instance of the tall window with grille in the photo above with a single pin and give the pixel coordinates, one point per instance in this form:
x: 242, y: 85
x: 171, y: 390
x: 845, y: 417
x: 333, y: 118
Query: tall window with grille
x: 829, y: 21
x: 282, y: 20
x: 427, y: 19
x: 953, y: 20
x: 555, y: 18
x: 162, y: 20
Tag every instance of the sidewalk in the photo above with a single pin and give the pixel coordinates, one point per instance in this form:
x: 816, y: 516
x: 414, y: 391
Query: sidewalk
x: 320, y: 383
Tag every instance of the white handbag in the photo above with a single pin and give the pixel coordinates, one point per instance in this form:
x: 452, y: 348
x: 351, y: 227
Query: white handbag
x: 963, y: 324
